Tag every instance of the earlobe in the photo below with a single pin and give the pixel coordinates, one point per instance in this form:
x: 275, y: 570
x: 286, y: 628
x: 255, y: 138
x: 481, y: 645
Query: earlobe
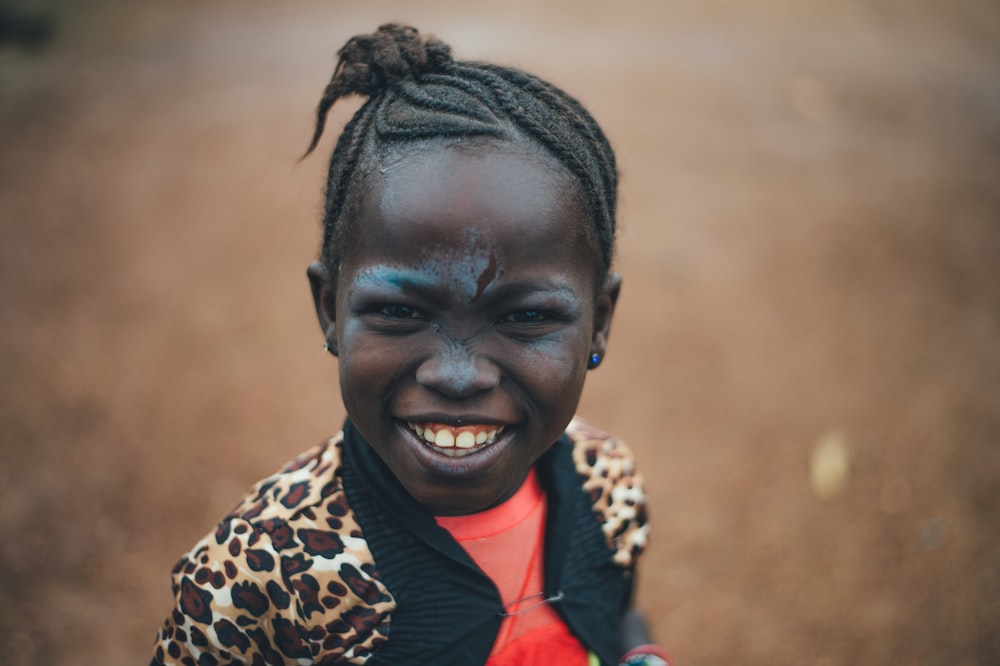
x: 603, y: 314
x: 324, y: 296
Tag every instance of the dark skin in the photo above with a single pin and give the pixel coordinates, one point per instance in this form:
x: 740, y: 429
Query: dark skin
x: 470, y: 306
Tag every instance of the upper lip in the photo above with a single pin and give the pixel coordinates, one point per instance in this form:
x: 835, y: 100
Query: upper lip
x: 455, y: 420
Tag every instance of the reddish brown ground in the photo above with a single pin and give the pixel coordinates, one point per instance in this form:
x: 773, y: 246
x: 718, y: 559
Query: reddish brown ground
x: 810, y: 245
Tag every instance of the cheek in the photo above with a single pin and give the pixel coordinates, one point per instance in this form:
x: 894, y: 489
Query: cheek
x: 348, y: 330
x: 367, y: 364
x: 557, y: 366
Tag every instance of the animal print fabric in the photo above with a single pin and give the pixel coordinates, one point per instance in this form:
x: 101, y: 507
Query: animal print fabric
x: 607, y: 467
x: 288, y: 578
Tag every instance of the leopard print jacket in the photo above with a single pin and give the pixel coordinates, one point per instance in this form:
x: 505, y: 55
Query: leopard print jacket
x: 288, y: 578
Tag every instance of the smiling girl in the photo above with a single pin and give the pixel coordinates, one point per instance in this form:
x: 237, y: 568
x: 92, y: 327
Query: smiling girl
x: 463, y: 515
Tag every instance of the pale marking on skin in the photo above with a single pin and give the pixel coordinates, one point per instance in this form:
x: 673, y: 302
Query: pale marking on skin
x: 467, y: 268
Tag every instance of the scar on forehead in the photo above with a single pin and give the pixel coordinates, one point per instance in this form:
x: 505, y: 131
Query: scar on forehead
x: 487, y: 276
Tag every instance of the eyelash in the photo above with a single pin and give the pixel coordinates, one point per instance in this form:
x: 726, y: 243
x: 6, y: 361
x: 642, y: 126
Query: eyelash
x: 401, y: 312
x: 524, y: 319
x: 528, y: 317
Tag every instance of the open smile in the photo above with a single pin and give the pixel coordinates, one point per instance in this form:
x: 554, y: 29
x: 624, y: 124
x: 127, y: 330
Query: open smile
x: 456, y: 442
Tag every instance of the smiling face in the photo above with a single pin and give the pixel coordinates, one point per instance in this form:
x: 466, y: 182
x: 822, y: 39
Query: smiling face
x: 464, y: 313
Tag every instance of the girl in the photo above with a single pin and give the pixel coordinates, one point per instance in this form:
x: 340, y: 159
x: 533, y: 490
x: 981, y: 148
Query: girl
x: 463, y: 515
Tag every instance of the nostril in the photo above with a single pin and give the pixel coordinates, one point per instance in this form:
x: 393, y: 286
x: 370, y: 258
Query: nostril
x: 457, y: 373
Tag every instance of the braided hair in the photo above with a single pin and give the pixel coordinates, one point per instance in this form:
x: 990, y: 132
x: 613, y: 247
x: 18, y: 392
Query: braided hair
x: 417, y: 92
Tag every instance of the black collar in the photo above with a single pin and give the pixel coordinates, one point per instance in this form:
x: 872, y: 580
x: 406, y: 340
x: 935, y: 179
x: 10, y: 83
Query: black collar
x: 448, y: 609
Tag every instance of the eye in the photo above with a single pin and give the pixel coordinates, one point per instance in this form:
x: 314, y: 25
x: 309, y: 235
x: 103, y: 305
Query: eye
x: 400, y: 312
x: 527, y: 317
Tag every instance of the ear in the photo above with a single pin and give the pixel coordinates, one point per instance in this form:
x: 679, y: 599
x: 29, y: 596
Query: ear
x: 603, y: 313
x: 324, y: 294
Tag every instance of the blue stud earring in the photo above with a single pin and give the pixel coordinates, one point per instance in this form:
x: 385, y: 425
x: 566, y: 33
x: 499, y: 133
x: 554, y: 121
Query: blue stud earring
x: 595, y: 360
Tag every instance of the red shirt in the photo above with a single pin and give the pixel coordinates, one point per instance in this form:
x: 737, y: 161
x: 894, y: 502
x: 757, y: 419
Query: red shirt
x: 507, y: 543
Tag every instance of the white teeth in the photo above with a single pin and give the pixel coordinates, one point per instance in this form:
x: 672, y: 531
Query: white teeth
x: 455, y: 445
x: 444, y: 439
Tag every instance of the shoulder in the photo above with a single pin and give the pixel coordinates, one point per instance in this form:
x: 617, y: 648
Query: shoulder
x: 287, y: 574
x: 613, y: 486
x: 302, y: 484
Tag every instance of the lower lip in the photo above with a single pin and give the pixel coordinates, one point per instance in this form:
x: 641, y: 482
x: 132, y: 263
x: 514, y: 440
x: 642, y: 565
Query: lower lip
x: 478, y: 461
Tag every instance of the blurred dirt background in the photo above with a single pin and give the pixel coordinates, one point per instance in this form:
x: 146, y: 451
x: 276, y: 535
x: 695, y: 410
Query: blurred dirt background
x: 806, y: 357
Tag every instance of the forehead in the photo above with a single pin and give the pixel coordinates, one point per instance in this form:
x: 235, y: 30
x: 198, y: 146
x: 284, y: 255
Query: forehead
x: 501, y: 181
x: 471, y: 202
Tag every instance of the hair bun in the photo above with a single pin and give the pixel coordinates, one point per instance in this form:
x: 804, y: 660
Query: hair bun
x: 394, y: 52
x: 370, y: 64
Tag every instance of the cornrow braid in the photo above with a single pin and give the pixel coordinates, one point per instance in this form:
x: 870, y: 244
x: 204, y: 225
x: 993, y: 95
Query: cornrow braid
x: 417, y: 92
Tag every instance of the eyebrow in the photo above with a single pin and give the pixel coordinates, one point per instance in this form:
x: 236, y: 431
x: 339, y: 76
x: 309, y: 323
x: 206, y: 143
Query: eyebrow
x: 547, y: 287
x: 404, y: 279
x: 408, y: 280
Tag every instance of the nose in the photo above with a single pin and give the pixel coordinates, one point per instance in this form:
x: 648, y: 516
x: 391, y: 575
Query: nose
x: 457, y: 372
